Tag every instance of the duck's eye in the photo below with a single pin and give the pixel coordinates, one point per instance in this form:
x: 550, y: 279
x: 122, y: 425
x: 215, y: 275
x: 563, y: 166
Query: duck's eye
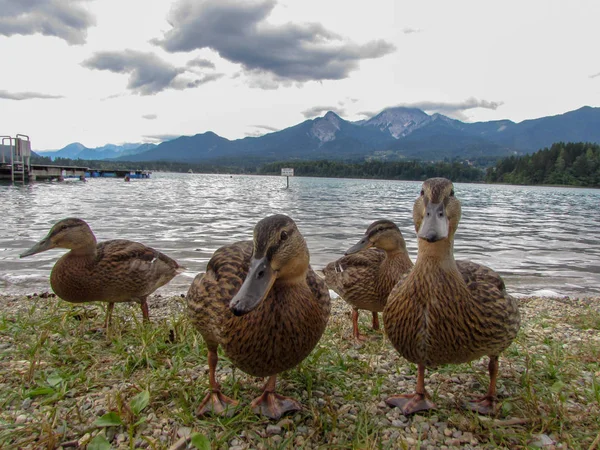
x: 284, y: 235
x: 422, y: 192
x: 452, y: 193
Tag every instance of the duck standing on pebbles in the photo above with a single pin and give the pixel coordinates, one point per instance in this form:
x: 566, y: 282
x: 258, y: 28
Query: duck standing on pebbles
x: 265, y: 306
x: 113, y: 271
x: 444, y: 311
x: 369, y: 270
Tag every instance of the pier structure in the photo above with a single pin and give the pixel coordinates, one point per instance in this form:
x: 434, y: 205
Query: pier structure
x: 15, y: 165
x: 16, y: 154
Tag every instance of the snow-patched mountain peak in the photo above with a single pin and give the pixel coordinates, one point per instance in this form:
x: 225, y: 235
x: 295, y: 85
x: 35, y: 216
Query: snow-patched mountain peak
x: 399, y: 121
x: 325, y: 128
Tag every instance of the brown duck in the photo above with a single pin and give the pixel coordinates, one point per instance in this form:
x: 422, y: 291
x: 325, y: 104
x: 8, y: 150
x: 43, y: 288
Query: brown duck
x: 369, y: 271
x: 112, y: 271
x: 445, y: 311
x: 265, y: 306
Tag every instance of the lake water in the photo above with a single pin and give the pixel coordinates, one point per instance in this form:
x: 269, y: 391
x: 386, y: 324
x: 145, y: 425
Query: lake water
x: 540, y: 239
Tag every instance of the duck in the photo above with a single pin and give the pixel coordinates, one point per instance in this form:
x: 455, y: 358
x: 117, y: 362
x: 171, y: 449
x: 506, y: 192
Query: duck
x: 445, y: 311
x: 263, y: 304
x: 370, y: 269
x: 112, y: 271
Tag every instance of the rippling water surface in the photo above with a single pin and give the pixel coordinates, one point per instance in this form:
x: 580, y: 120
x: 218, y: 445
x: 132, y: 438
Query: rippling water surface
x: 536, y: 237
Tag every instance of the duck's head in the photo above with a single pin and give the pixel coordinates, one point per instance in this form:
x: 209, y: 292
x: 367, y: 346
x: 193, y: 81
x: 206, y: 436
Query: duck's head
x: 280, y: 255
x: 436, y: 212
x: 73, y: 234
x: 383, y: 234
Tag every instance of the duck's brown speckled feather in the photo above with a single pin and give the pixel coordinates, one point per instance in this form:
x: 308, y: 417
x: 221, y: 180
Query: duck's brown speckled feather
x: 119, y: 271
x: 274, y: 337
x: 457, y: 323
x: 365, y: 279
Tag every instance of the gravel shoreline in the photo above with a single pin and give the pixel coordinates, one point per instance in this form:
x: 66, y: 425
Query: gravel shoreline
x: 354, y: 399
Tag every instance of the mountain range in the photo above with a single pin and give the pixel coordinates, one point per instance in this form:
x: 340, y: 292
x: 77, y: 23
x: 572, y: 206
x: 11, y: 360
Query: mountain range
x: 394, y: 134
x: 77, y: 150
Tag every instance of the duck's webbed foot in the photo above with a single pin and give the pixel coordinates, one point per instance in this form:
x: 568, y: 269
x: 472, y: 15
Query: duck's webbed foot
x: 487, y: 405
x: 411, y: 403
x: 216, y: 403
x: 273, y: 405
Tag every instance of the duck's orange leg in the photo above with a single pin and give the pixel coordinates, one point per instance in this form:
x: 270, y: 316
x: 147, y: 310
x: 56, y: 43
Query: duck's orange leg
x: 488, y: 403
x: 271, y: 404
x: 144, y: 306
x: 412, y: 403
x: 357, y: 336
x: 375, y: 320
x: 108, y: 317
x: 215, y: 402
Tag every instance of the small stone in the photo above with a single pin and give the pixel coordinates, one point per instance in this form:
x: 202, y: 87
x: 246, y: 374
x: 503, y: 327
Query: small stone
x: 397, y: 423
x: 447, y: 432
x: 21, y: 418
x: 273, y: 430
x: 184, y: 431
x: 26, y: 403
x: 285, y: 423
x: 541, y: 440
x: 467, y: 437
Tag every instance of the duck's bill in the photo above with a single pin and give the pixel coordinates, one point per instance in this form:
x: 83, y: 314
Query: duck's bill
x: 42, y: 246
x: 255, y: 288
x: 435, y: 223
x: 363, y: 244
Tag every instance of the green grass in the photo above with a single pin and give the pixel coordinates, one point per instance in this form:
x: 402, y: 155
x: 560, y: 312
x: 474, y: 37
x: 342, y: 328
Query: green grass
x: 61, y: 381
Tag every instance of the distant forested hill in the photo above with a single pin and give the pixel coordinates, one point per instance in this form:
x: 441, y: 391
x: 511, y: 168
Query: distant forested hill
x: 572, y: 164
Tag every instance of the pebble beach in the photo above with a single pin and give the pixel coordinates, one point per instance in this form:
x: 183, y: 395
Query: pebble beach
x: 59, y: 375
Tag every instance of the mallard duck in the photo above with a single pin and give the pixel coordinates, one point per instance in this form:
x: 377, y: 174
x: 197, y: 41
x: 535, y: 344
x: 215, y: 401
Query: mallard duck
x: 112, y: 271
x: 265, y: 306
x: 369, y: 271
x: 444, y: 312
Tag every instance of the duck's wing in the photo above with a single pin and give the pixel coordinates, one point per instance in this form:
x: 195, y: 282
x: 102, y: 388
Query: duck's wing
x: 209, y: 294
x: 492, y: 302
x: 477, y: 275
x: 320, y: 292
x: 142, y: 269
x: 355, y: 276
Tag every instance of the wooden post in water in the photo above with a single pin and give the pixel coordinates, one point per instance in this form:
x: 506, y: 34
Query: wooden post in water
x: 287, y: 172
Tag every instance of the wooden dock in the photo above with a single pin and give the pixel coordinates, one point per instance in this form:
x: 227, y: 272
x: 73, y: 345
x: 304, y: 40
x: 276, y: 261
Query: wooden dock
x: 15, y: 165
x: 38, y: 172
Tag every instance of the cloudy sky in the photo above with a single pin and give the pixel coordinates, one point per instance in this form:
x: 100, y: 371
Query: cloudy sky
x: 115, y: 71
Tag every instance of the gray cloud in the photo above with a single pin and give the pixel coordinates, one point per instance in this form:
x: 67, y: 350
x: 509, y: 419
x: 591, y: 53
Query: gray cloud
x: 320, y: 110
x: 201, y: 62
x: 150, y: 116
x: 240, y: 33
x: 148, y: 74
x: 451, y: 109
x: 408, y: 30
x: 160, y: 137
x: 67, y: 20
x: 266, y: 127
x: 26, y: 95
x: 261, y: 131
x: 595, y: 75
x: 189, y: 84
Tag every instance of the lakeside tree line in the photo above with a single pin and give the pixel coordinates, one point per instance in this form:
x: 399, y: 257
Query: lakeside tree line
x: 409, y: 170
x: 569, y: 164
